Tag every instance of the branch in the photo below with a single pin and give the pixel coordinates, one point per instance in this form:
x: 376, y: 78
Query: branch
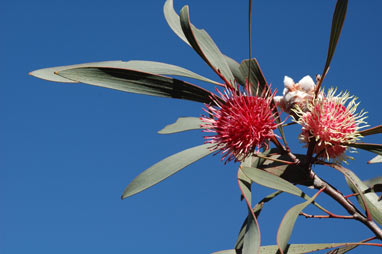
x: 318, y: 183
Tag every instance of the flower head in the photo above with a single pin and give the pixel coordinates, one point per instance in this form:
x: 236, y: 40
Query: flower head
x: 241, y: 123
x: 331, y: 123
x: 296, y: 93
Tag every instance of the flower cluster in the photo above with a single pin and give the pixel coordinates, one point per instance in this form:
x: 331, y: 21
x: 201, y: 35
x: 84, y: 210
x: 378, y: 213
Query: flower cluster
x: 242, y: 123
x: 331, y: 123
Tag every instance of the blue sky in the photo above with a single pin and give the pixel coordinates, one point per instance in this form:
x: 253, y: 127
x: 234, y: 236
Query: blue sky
x: 68, y: 150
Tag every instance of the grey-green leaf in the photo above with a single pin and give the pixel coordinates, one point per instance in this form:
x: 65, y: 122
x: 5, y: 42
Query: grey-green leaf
x: 271, y: 181
x: 165, y: 168
x: 143, y: 66
x: 182, y: 124
x: 342, y: 250
x: 337, y: 24
x: 287, y: 224
x: 370, y: 199
x: 372, y: 131
x: 376, y: 159
x: 292, y: 248
x: 274, y: 182
x: 51, y: 73
x: 251, y: 243
x: 256, y: 210
x: 256, y: 77
x: 173, y: 21
x: 374, y: 148
x: 137, y: 82
x: 252, y: 233
x: 375, y: 183
x: 202, y: 43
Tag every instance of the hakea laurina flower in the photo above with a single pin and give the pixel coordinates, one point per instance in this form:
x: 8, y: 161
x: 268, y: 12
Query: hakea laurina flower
x: 331, y: 123
x: 242, y: 123
x: 296, y: 93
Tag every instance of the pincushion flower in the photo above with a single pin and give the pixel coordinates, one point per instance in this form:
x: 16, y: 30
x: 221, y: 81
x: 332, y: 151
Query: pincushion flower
x: 332, y: 122
x: 242, y: 123
x: 296, y: 93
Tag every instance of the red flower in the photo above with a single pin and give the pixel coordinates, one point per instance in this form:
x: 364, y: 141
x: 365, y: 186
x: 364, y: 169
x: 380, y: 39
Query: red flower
x: 241, y: 123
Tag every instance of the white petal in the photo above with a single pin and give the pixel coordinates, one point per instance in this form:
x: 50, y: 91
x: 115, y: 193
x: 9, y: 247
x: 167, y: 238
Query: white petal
x: 289, y: 97
x: 285, y: 91
x: 307, y: 83
x: 288, y: 82
x: 277, y: 99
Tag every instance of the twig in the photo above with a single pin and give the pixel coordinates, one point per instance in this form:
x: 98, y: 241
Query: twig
x: 332, y: 216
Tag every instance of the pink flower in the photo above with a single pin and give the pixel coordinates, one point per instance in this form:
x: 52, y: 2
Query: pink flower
x: 241, y: 123
x: 331, y: 123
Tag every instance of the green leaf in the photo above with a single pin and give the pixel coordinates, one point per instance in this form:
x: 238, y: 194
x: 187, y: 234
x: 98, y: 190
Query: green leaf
x: 374, y: 206
x: 337, y: 24
x: 376, y: 159
x: 256, y: 77
x: 256, y: 210
x: 271, y: 181
x: 375, y: 184
x: 235, y: 69
x: 173, y: 21
x: 51, y: 73
x: 245, y: 187
x: 275, y: 182
x: 293, y: 248
x: 182, y: 124
x: 142, y: 66
x: 372, y: 131
x: 137, y: 82
x: 342, y: 250
x: 165, y: 168
x: 301, y: 248
x: 287, y: 224
x: 202, y: 43
x: 374, y: 148
x: 251, y: 242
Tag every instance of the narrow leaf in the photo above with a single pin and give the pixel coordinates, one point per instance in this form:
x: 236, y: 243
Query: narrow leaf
x: 256, y: 77
x: 165, y: 168
x: 143, y: 66
x: 235, y: 69
x: 251, y: 244
x: 275, y: 182
x: 202, y: 43
x: 137, y: 82
x: 294, y: 248
x: 342, y: 250
x: 374, y: 148
x: 287, y: 224
x: 256, y: 210
x: 374, y: 184
x: 271, y: 181
x: 301, y: 248
x: 173, y: 21
x: 182, y: 124
x: 368, y: 201
x: 337, y: 24
x: 51, y: 73
x: 376, y: 159
x: 372, y: 131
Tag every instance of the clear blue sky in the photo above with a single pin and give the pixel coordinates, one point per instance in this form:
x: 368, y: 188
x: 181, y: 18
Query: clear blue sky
x: 67, y: 151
